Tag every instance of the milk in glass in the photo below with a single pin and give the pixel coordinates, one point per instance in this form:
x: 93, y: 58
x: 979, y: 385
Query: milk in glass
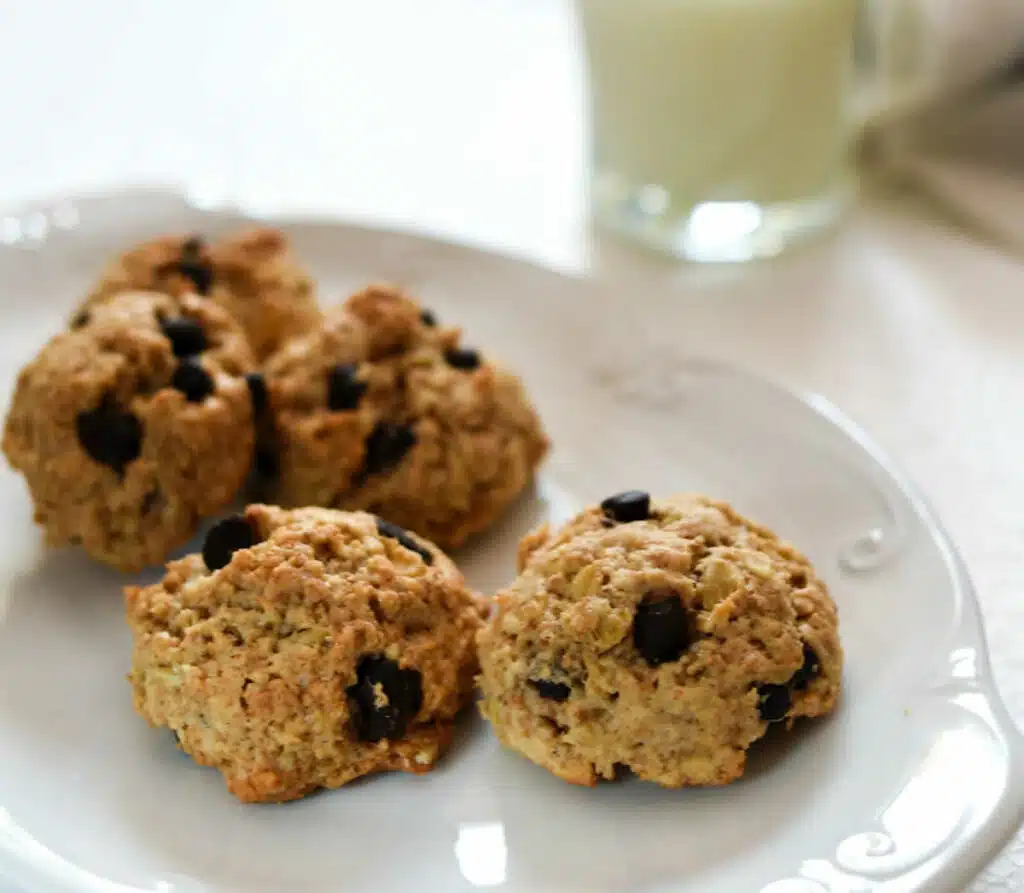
x: 720, y: 127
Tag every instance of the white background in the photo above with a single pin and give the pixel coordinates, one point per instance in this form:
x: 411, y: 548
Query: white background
x: 464, y: 118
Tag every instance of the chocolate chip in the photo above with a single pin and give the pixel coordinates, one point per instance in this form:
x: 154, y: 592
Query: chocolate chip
x: 258, y: 392
x: 553, y: 691
x: 393, y: 531
x: 462, y: 358
x: 633, y: 505
x: 266, y: 463
x: 402, y: 689
x: 428, y: 318
x: 386, y: 447
x: 808, y: 672
x: 225, y: 538
x: 773, y: 702
x: 662, y: 628
x: 186, y: 336
x: 192, y: 245
x: 344, y: 390
x: 199, y: 271
x: 110, y: 435
x: 152, y: 500
x: 80, y: 319
x: 192, y: 380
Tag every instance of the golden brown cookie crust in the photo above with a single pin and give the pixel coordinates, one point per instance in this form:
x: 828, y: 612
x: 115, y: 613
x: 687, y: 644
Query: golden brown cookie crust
x: 756, y: 606
x: 478, y: 439
x: 251, y: 665
x: 253, y: 275
x: 193, y: 456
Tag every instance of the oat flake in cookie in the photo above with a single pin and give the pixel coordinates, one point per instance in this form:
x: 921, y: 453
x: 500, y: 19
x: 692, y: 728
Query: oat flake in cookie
x: 303, y: 649
x: 664, y: 636
x: 253, y: 275
x: 382, y: 409
x: 134, y: 426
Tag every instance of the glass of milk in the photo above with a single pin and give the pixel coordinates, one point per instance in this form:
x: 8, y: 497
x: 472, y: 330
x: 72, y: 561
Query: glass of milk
x: 721, y: 128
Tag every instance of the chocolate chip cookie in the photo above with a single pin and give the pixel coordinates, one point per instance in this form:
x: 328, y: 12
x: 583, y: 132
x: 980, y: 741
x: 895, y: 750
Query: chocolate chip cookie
x: 661, y: 636
x: 303, y: 649
x: 134, y: 426
x: 384, y: 409
x: 253, y: 275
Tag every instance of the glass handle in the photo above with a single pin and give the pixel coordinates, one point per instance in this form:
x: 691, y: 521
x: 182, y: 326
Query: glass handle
x: 895, y: 62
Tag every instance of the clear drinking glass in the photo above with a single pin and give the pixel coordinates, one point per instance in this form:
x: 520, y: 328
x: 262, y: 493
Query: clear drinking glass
x: 721, y: 128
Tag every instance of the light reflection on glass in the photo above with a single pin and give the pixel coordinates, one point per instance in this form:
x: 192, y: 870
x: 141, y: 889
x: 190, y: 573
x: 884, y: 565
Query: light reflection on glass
x: 714, y: 218
x: 482, y: 853
x: 653, y: 200
x: 714, y: 227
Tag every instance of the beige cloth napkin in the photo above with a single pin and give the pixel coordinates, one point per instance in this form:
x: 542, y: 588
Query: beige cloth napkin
x: 929, y: 50
x: 943, y: 114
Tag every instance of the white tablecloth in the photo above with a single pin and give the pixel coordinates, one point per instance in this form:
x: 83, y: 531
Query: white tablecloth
x: 463, y: 118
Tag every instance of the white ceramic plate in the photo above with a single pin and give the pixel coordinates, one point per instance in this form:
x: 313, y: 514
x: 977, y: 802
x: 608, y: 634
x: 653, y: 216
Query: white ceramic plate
x: 911, y: 786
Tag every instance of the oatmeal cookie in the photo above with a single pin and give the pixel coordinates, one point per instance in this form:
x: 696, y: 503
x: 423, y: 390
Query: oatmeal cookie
x: 253, y: 275
x: 303, y: 649
x: 134, y: 426
x: 383, y: 409
x: 663, y: 636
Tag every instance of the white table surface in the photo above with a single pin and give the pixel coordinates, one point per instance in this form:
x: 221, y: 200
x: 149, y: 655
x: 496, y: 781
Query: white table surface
x: 463, y: 118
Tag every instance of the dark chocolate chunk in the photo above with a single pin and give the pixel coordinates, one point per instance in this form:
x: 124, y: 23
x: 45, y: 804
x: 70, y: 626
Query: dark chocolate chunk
x: 199, y: 271
x: 192, y: 245
x: 192, y: 380
x: 633, y: 505
x: 266, y: 462
x: 258, y: 392
x: 344, y: 389
x: 225, y: 538
x: 773, y: 702
x: 808, y: 672
x: 80, y: 319
x: 386, y: 447
x: 393, y: 531
x: 553, y: 691
x: 428, y: 318
x: 403, y: 692
x: 186, y: 336
x: 662, y: 628
x: 153, y: 499
x: 462, y: 358
x: 110, y: 435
